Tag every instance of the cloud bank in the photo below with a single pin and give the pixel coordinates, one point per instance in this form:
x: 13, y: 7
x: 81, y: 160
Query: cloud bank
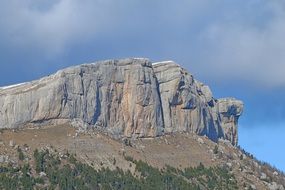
x: 249, y: 44
x: 218, y: 40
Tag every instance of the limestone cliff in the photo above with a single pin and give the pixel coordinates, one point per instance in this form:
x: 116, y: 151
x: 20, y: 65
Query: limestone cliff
x: 125, y: 98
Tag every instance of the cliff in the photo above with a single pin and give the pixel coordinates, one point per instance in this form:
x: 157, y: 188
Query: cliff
x: 124, y: 98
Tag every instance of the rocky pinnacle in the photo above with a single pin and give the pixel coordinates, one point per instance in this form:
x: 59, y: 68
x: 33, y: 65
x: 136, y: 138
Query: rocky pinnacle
x: 124, y: 98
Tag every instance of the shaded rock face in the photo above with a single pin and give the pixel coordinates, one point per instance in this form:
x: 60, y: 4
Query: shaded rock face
x: 188, y: 105
x: 125, y: 98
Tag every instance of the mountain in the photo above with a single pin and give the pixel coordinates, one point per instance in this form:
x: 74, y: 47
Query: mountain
x: 124, y: 124
x: 125, y: 98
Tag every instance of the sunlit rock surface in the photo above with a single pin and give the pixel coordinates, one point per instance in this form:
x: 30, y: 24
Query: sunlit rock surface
x: 124, y: 98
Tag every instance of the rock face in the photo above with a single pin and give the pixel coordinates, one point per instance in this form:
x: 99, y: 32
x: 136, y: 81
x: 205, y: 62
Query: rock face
x: 125, y: 98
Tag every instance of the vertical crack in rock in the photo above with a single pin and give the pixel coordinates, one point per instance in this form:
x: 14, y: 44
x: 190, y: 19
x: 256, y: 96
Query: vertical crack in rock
x: 97, y: 109
x: 160, y: 109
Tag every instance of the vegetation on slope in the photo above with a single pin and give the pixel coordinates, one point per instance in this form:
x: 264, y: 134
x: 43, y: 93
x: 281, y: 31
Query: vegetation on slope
x: 51, y: 172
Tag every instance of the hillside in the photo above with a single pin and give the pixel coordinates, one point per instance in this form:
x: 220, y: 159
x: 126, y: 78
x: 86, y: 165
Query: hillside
x: 179, y: 151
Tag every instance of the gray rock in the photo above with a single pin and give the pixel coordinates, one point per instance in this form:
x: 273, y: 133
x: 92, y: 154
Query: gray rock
x: 200, y: 141
x: 11, y: 143
x: 229, y: 111
x: 275, y: 186
x: 188, y: 105
x: 2, y: 159
x: 43, y: 174
x: 230, y: 165
x: 275, y: 173
x: 124, y: 98
x: 263, y: 176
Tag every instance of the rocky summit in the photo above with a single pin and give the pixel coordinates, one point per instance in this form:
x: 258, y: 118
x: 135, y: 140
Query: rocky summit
x: 124, y: 98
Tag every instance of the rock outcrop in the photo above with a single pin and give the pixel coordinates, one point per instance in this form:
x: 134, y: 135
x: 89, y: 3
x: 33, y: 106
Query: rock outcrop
x: 125, y: 98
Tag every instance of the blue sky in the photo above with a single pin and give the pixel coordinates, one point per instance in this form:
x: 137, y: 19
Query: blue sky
x: 236, y: 47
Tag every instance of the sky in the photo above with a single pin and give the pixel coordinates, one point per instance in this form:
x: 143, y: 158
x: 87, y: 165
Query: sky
x: 236, y: 47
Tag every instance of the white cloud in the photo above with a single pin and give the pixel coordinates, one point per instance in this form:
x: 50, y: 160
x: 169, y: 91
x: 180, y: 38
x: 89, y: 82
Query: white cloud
x: 55, y: 24
x: 244, y: 49
x: 52, y: 26
x: 224, y: 40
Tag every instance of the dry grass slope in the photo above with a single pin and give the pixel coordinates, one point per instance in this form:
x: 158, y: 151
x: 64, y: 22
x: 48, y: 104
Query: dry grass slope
x: 177, y: 150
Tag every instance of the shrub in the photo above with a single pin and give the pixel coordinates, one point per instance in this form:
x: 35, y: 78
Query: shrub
x: 216, y: 149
